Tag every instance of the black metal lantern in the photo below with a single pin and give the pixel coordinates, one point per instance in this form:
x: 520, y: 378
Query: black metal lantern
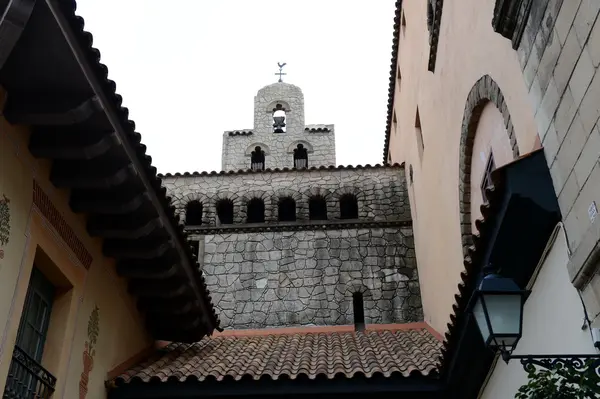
x: 498, y: 310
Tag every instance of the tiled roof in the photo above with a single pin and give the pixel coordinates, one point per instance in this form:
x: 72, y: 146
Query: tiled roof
x: 330, y: 354
x: 278, y: 170
x: 392, y: 86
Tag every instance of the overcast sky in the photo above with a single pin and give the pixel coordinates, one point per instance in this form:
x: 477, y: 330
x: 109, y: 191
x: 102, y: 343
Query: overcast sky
x: 189, y: 69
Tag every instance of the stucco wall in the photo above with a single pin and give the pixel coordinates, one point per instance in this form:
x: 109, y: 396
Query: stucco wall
x: 36, y: 238
x: 278, y: 146
x: 293, y: 278
x: 468, y: 49
x: 551, y: 323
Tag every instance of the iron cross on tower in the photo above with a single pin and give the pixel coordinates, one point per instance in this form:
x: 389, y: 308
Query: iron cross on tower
x: 280, y: 73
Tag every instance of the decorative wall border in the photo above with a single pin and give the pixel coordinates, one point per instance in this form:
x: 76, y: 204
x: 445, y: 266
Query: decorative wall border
x: 485, y: 90
x: 49, y: 211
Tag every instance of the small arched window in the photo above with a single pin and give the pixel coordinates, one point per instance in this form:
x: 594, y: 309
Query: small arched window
x: 317, y: 208
x: 358, y: 309
x: 193, y: 213
x: 348, y: 207
x: 256, y: 211
x: 287, y: 209
x: 279, y: 119
x: 225, y: 211
x: 257, y: 159
x: 300, y: 157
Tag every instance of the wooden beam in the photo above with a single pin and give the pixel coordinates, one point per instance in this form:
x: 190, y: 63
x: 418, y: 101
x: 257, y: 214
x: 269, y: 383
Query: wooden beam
x: 120, y: 227
x: 155, y: 306
x: 104, y: 204
x: 68, y: 175
x: 43, y: 144
x: 135, y: 249
x: 51, y: 112
x: 167, y: 288
x: 12, y: 24
x: 147, y: 269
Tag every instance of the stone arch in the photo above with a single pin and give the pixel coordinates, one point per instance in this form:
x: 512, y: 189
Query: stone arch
x: 262, y: 146
x: 315, y: 191
x: 262, y: 195
x: 360, y: 198
x: 294, y: 144
x: 181, y: 204
x: 293, y: 194
x: 485, y: 90
x: 225, y: 195
x: 273, y: 105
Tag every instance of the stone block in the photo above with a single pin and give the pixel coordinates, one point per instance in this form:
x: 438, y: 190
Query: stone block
x: 589, y: 109
x: 568, y: 194
x: 590, y: 192
x: 564, y: 115
x: 584, y: 19
x: 565, y: 18
x: 566, y: 61
x: 548, y: 61
x: 571, y: 147
x: 588, y: 157
x: 594, y: 44
x: 582, y: 76
x: 551, y: 144
x: 591, y: 297
x: 547, y: 108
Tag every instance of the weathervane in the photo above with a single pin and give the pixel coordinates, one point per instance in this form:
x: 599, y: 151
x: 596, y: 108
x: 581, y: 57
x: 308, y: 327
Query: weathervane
x: 280, y: 73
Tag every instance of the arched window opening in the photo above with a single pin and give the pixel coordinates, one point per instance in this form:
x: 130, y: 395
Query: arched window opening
x: 287, y: 210
x: 317, y: 208
x: 193, y: 213
x: 279, y: 118
x: 257, y: 159
x: 348, y: 207
x: 358, y: 309
x: 300, y: 157
x: 256, y: 211
x: 225, y: 211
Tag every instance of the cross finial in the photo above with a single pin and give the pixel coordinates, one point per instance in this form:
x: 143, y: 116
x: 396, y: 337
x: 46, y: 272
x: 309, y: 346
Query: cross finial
x: 280, y: 73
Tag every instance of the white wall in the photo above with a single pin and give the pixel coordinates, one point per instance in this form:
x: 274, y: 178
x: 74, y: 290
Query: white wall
x: 552, y: 323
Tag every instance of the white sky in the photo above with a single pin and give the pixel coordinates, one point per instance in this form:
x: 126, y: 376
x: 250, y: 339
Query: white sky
x: 189, y: 69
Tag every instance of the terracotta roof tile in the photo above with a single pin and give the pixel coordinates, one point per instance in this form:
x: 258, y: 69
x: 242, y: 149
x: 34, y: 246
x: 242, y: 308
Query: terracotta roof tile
x: 331, y: 354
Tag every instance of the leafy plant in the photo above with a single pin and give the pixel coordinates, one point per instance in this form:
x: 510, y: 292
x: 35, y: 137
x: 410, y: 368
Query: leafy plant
x: 561, y: 381
x: 4, y: 220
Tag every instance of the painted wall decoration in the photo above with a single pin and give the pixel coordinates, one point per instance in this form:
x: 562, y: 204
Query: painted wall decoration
x: 89, y: 351
x: 4, y: 223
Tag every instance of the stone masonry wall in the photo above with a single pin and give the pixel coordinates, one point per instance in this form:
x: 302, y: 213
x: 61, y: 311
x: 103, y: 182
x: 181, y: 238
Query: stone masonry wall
x: 279, y: 146
x: 380, y: 191
x: 560, y: 56
x: 270, y: 279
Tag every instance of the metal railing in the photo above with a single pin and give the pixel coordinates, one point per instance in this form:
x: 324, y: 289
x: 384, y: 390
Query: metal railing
x: 27, y: 379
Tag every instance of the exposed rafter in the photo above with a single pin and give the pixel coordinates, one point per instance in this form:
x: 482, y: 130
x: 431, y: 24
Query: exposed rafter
x: 12, y: 24
x: 47, y: 111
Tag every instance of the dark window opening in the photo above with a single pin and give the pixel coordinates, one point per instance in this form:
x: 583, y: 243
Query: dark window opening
x: 279, y: 119
x: 193, y: 213
x: 419, y: 132
x: 195, y: 245
x: 225, y: 211
x: 403, y: 23
x: 394, y: 123
x: 300, y: 157
x: 410, y: 174
x: 257, y: 159
x: 348, y: 207
x: 359, y: 311
x: 287, y: 210
x: 256, y: 211
x: 486, y: 182
x: 317, y: 208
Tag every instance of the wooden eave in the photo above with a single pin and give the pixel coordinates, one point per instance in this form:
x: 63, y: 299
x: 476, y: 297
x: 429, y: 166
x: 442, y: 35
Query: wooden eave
x: 57, y: 86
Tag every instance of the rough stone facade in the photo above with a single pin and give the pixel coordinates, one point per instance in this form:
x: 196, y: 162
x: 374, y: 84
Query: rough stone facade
x: 278, y: 147
x: 291, y: 278
x: 304, y: 267
x: 380, y: 192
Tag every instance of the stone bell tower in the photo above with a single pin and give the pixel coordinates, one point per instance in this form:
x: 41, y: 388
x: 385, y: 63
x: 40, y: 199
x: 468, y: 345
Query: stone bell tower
x: 279, y: 134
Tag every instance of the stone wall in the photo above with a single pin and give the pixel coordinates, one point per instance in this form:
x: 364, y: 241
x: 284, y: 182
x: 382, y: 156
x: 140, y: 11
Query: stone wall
x: 269, y: 279
x: 278, y: 147
x: 380, y: 191
x: 560, y: 56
